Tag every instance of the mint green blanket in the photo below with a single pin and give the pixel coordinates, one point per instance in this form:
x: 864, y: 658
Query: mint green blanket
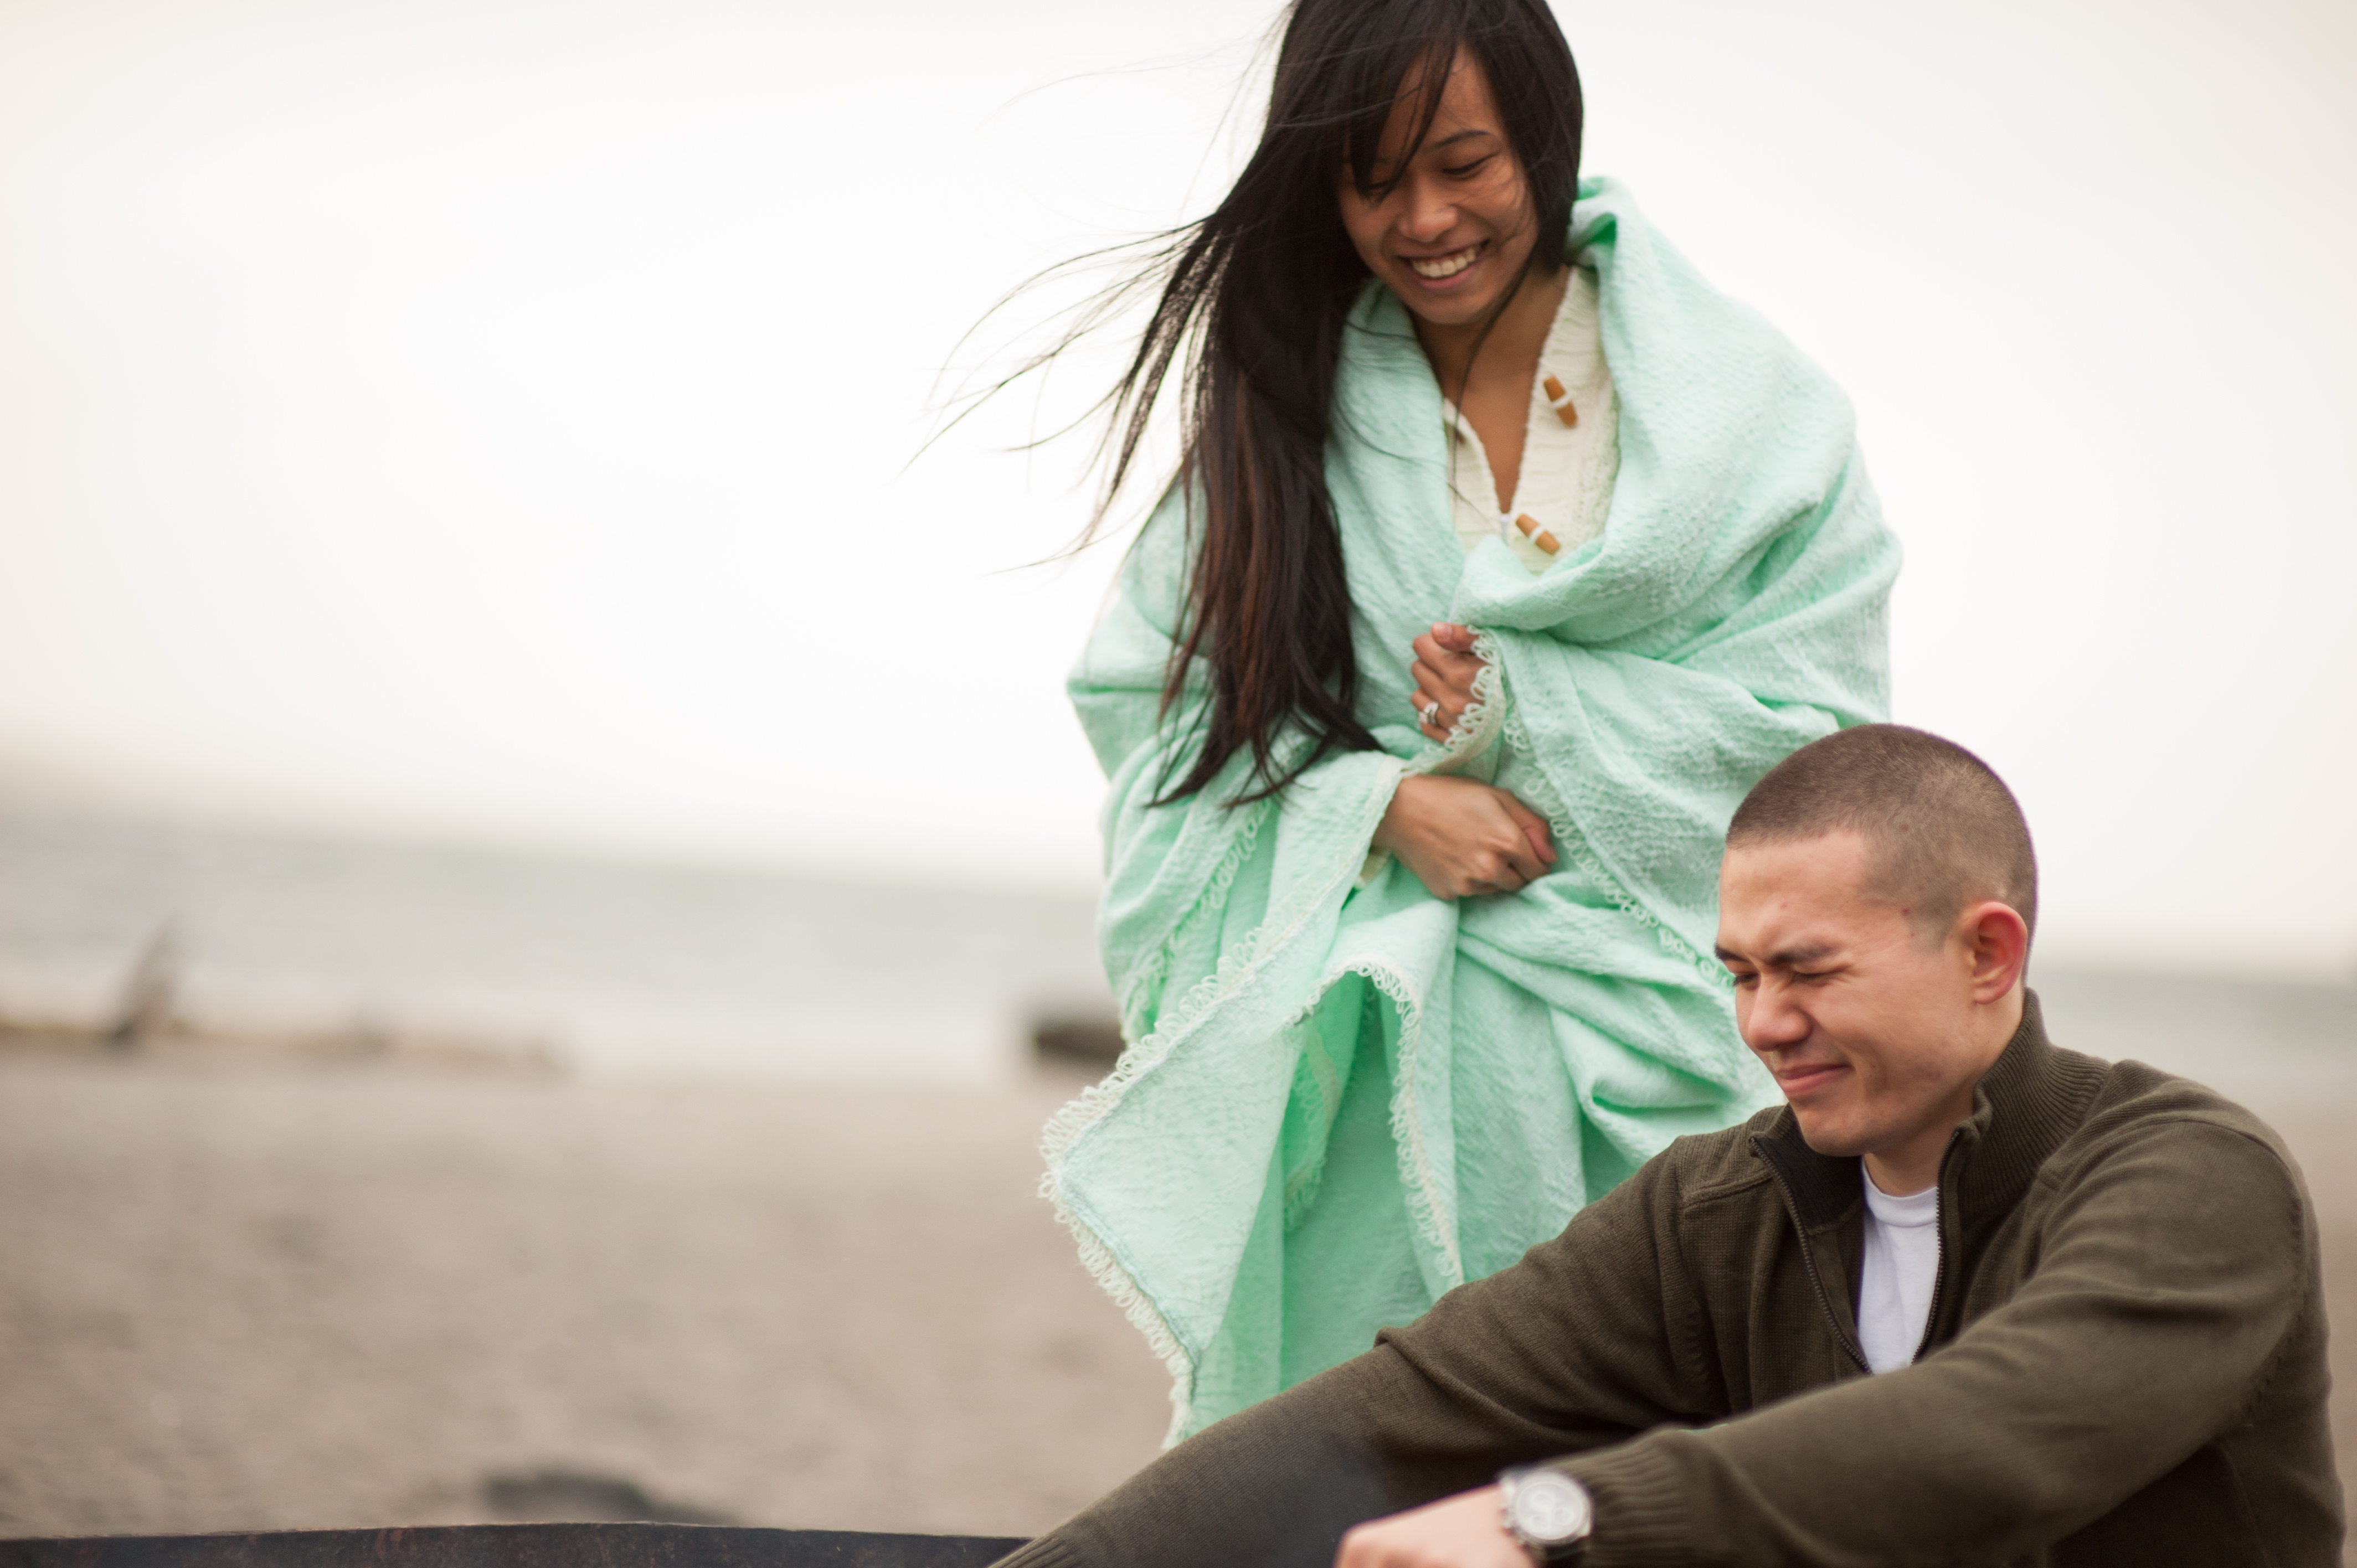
x: 1340, y: 1101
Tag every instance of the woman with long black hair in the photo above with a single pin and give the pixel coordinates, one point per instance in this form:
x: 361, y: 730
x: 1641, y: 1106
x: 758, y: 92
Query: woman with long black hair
x: 1503, y: 556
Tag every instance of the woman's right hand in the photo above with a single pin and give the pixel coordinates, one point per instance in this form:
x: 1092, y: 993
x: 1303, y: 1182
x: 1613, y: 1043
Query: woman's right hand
x: 1462, y: 837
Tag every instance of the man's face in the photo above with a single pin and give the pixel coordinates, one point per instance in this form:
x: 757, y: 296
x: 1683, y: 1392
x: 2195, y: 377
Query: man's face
x: 1868, y: 1022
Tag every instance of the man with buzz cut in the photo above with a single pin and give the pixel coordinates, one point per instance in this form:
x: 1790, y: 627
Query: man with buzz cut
x: 1966, y: 1297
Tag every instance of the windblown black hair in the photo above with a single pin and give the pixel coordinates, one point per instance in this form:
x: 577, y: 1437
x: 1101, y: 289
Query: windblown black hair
x: 1253, y: 311
x: 1250, y: 302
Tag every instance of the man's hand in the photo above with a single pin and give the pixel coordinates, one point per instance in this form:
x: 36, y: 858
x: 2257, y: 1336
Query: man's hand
x: 1462, y: 1531
x: 1463, y: 837
x: 1443, y: 671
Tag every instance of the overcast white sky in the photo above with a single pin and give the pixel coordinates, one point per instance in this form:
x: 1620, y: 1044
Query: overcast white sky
x: 488, y: 420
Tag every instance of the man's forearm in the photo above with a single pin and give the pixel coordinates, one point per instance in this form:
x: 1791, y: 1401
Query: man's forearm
x: 1274, y: 1485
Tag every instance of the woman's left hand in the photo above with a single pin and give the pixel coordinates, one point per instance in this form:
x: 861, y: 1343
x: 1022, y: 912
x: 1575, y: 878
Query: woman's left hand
x: 1443, y: 671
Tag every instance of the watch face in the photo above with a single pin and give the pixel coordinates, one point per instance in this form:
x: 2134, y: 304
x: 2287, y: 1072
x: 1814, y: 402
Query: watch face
x: 1549, y: 1507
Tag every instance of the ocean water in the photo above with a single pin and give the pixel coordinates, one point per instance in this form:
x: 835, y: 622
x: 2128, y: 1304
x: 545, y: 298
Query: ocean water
x: 611, y: 968
x: 622, y: 969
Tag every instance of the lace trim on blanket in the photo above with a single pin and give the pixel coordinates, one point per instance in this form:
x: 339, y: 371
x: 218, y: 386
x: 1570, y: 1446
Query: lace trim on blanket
x: 1480, y: 721
x: 1423, y: 1185
x: 1543, y: 798
x: 1143, y: 990
x: 1485, y: 718
x: 1301, y: 1185
x: 1479, y: 724
x: 1421, y: 1182
x: 1065, y: 1128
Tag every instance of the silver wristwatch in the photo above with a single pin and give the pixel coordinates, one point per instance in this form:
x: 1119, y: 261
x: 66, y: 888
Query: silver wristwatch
x: 1547, y: 1511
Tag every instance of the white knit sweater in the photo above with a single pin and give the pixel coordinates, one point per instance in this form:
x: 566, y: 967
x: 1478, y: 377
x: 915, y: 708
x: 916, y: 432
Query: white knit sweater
x: 1565, y: 487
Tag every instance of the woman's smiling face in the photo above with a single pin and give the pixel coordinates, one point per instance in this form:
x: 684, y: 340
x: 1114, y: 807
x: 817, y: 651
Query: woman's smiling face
x: 1449, y: 224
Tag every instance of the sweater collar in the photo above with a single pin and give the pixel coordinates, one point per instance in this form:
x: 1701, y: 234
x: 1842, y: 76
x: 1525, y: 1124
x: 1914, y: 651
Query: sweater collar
x: 2023, y: 1109
x: 2032, y: 1099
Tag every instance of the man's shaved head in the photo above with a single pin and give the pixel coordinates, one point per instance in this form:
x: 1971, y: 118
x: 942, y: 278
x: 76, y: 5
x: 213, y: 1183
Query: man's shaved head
x: 1942, y: 828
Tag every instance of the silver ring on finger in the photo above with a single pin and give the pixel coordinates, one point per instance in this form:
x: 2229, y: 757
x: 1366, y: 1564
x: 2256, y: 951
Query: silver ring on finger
x: 1430, y: 713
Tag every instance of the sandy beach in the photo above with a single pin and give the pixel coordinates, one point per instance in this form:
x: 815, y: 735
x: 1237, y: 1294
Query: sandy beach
x: 246, y: 1293
x: 245, y: 1296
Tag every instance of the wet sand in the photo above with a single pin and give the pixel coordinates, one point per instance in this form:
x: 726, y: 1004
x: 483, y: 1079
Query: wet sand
x: 242, y: 1295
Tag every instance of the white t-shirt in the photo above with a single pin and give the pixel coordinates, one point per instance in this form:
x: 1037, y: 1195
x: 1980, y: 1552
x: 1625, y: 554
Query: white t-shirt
x: 1902, y: 1265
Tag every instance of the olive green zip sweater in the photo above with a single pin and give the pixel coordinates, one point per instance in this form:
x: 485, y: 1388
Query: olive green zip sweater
x: 2125, y: 1363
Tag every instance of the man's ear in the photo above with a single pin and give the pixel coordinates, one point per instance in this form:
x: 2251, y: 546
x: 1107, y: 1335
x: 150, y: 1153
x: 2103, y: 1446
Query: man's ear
x: 1999, y: 940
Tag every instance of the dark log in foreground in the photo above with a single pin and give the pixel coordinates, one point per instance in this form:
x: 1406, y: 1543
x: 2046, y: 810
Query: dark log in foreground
x: 514, y: 1546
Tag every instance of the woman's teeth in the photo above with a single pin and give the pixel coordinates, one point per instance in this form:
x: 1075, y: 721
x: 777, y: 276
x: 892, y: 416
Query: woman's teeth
x: 1445, y: 266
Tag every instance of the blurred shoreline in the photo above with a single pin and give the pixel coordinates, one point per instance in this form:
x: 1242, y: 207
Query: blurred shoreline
x: 180, y: 936
x: 121, y: 929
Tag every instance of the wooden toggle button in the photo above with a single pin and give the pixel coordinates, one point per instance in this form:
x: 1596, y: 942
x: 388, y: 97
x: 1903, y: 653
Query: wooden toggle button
x: 1535, y: 534
x: 1559, y: 400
